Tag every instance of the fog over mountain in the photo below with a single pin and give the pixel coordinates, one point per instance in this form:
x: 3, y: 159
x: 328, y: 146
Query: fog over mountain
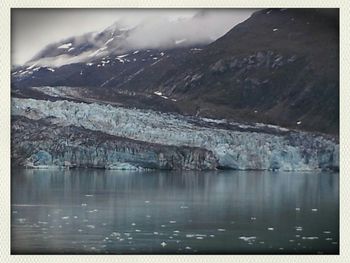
x: 151, y: 28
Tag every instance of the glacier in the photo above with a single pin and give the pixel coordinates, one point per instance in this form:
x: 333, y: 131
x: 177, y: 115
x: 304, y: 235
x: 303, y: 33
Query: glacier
x: 148, y: 139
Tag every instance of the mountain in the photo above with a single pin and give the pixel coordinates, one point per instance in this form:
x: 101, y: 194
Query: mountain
x: 280, y: 66
x: 263, y: 96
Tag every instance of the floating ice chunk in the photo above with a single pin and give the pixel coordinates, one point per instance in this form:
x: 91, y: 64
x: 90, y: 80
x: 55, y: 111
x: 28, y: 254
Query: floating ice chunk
x: 298, y: 228
x: 329, y: 239
x: 176, y: 231
x: 221, y: 229
x: 327, y: 232
x: 72, y: 48
x: 247, y: 238
x: 172, y: 222
x: 65, y: 46
x: 83, y: 204
x: 173, y: 99
x: 147, y: 202
x: 133, y: 224
x: 268, y: 12
x: 65, y: 217
x: 162, y: 226
x: 137, y: 230
x: 156, y: 233
x: 199, y: 237
x: 188, y: 248
x: 80, y: 230
x: 314, y: 209
x: 135, y: 52
x: 297, y: 209
x: 158, y: 93
x: 89, y: 64
x: 310, y: 238
x: 270, y: 228
x: 212, y: 235
x: 298, y: 122
x: 275, y: 29
x: 89, y: 195
x: 90, y: 226
x: 75, y: 217
x: 163, y: 244
x: 51, y: 69
x: 189, y: 235
x: 183, y: 207
x: 253, y: 218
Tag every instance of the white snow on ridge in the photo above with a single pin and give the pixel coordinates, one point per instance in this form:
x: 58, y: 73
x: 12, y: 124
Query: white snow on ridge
x: 180, y: 41
x: 97, y: 51
x: 123, y: 56
x: 65, y: 46
x: 109, y: 40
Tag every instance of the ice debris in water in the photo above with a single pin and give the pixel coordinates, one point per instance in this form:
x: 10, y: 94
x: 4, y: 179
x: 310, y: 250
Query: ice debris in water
x: 327, y: 232
x: 221, y: 229
x: 270, y: 228
x: 133, y: 224
x: 172, y: 222
x: 90, y: 226
x: 246, y: 239
x: 65, y: 217
x: 314, y: 209
x: 310, y: 238
x: 299, y: 228
x: 163, y: 244
x: 83, y: 204
x: 297, y: 209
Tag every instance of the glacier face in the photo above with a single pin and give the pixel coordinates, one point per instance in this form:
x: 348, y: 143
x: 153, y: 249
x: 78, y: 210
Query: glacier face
x: 207, y: 146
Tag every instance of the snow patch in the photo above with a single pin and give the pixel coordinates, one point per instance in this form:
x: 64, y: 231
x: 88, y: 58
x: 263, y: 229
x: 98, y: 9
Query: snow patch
x: 180, y: 41
x: 65, y: 46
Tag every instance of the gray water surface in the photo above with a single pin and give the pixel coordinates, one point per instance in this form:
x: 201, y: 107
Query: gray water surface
x: 223, y: 212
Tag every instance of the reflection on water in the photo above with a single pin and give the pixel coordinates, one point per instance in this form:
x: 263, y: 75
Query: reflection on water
x: 121, y: 212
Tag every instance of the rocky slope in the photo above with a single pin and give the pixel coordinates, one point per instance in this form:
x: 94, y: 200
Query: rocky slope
x: 96, y: 135
x: 91, y: 101
x: 280, y: 66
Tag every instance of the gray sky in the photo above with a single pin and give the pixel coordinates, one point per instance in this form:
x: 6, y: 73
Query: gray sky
x: 33, y: 29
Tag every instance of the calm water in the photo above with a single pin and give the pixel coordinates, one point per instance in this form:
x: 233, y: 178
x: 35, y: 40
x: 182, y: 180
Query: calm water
x: 120, y: 212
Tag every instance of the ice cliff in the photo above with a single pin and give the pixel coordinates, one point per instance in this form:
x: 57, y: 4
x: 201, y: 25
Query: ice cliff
x: 97, y: 135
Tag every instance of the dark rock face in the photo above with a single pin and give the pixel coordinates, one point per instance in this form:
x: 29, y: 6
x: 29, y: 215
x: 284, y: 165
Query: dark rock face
x: 36, y: 143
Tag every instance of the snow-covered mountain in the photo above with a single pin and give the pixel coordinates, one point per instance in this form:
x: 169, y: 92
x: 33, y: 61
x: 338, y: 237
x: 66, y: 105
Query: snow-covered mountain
x: 269, y: 69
